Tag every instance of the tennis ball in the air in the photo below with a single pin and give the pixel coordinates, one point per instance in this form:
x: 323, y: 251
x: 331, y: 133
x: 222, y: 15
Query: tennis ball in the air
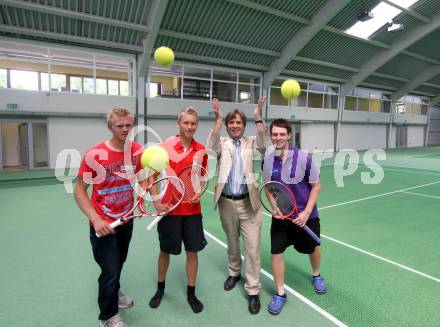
x: 290, y: 89
x: 155, y: 157
x: 164, y: 56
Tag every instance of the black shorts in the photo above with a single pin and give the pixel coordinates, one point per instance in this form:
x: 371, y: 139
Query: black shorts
x: 173, y: 230
x: 284, y: 233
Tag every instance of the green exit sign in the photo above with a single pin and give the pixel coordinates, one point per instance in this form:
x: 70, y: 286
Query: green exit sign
x: 11, y: 105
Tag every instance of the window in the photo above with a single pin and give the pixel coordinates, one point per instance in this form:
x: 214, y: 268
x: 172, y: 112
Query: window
x: 113, y: 87
x: 313, y: 95
x: 76, y: 84
x: 3, y: 78
x: 350, y: 103
x: 101, y: 86
x: 368, y: 101
x: 123, y: 86
x: 25, y: 80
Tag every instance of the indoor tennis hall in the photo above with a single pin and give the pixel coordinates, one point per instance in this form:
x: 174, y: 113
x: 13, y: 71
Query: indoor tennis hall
x: 367, y: 111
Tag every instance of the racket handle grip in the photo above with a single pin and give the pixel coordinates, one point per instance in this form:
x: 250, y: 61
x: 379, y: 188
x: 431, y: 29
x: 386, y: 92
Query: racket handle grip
x: 113, y: 225
x: 312, y: 234
x: 154, y: 223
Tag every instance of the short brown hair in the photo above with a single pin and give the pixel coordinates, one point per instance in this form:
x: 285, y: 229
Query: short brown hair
x: 188, y: 110
x: 231, y: 115
x: 120, y: 112
x: 281, y: 122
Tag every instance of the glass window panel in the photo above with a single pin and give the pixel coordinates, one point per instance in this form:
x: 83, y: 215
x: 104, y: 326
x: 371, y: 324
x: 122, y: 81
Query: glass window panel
x: 170, y: 84
x: 332, y: 89
x: 315, y: 100
x: 224, y: 91
x: 113, y: 87
x: 123, y: 86
x: 375, y: 105
x: 331, y: 101
x: 58, y: 82
x: 386, y: 106
x: 101, y: 86
x: 425, y: 109
x: 248, y: 79
x: 44, y: 80
x: 350, y: 103
x: 88, y: 85
x: 316, y: 87
x: 75, y: 84
x: 24, y: 80
x: 225, y: 76
x: 364, y: 104
x: 3, y: 78
x: 197, y: 72
x: 300, y: 101
x: 248, y: 93
x: 275, y: 97
x: 196, y: 89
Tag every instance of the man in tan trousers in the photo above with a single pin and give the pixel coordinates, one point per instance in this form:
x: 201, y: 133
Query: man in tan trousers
x: 236, y: 195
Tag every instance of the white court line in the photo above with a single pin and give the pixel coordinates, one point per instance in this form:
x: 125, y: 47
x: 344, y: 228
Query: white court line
x: 290, y: 290
x: 376, y: 196
x: 370, y: 253
x: 411, y: 171
x: 420, y: 194
x: 384, y: 259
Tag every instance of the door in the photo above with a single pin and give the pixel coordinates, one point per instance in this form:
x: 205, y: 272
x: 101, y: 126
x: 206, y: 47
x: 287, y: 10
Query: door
x: 401, y: 136
x: 23, y: 145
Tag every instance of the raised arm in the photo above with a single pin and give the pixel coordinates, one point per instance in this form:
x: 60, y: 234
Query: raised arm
x: 262, y: 139
x: 214, y: 136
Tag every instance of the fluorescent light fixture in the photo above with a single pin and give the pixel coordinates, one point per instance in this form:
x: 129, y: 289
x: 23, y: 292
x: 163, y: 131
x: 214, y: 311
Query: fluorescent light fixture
x: 366, y: 15
x: 383, y: 13
x: 394, y: 27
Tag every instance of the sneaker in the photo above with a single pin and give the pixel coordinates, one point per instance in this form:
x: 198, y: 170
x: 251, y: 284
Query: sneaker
x: 319, y: 284
x: 276, y: 305
x: 115, y: 321
x: 124, y: 301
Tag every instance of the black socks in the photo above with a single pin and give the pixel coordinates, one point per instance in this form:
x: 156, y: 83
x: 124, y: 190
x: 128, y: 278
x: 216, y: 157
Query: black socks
x: 193, y: 301
x: 157, y: 297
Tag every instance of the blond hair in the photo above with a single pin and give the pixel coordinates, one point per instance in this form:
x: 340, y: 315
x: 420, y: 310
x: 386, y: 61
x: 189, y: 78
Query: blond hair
x: 189, y: 111
x: 119, y: 112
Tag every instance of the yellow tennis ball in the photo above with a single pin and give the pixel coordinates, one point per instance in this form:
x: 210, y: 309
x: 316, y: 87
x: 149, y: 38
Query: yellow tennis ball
x: 290, y: 89
x: 164, y: 56
x: 155, y: 157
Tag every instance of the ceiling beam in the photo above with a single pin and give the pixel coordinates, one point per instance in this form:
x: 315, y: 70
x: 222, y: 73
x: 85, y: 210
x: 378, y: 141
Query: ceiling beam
x: 217, y: 61
x: 327, y: 28
x: 73, y: 14
x: 157, y: 11
x: 435, y: 100
x: 195, y: 38
x: 418, y: 80
x: 271, y: 11
x: 384, y: 56
x: 69, y: 38
x: 409, y: 11
x: 302, y: 37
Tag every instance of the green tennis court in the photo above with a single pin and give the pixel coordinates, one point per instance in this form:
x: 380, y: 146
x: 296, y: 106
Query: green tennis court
x: 380, y: 257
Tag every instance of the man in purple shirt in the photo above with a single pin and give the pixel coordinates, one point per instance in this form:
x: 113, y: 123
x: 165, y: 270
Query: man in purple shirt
x: 294, y: 168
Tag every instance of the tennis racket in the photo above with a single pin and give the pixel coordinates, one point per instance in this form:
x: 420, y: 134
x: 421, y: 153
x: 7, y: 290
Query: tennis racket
x: 195, y: 179
x: 160, y: 198
x: 279, y: 200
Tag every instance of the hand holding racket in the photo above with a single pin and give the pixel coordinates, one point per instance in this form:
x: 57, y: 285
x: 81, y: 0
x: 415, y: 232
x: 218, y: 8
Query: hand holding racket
x: 195, y: 180
x: 155, y: 201
x: 279, y: 200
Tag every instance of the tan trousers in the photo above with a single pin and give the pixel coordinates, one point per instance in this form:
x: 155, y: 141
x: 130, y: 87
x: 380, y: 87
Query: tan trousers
x: 237, y: 219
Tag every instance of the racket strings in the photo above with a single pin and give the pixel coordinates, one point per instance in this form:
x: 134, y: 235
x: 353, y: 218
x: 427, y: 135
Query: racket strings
x: 162, y: 196
x: 194, y: 178
x: 282, y: 197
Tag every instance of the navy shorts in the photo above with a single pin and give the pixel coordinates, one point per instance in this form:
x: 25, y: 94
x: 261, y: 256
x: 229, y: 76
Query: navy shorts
x: 173, y: 230
x: 284, y: 233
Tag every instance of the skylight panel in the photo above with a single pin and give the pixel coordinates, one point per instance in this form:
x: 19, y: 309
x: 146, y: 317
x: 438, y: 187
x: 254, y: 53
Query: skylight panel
x: 383, y: 13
